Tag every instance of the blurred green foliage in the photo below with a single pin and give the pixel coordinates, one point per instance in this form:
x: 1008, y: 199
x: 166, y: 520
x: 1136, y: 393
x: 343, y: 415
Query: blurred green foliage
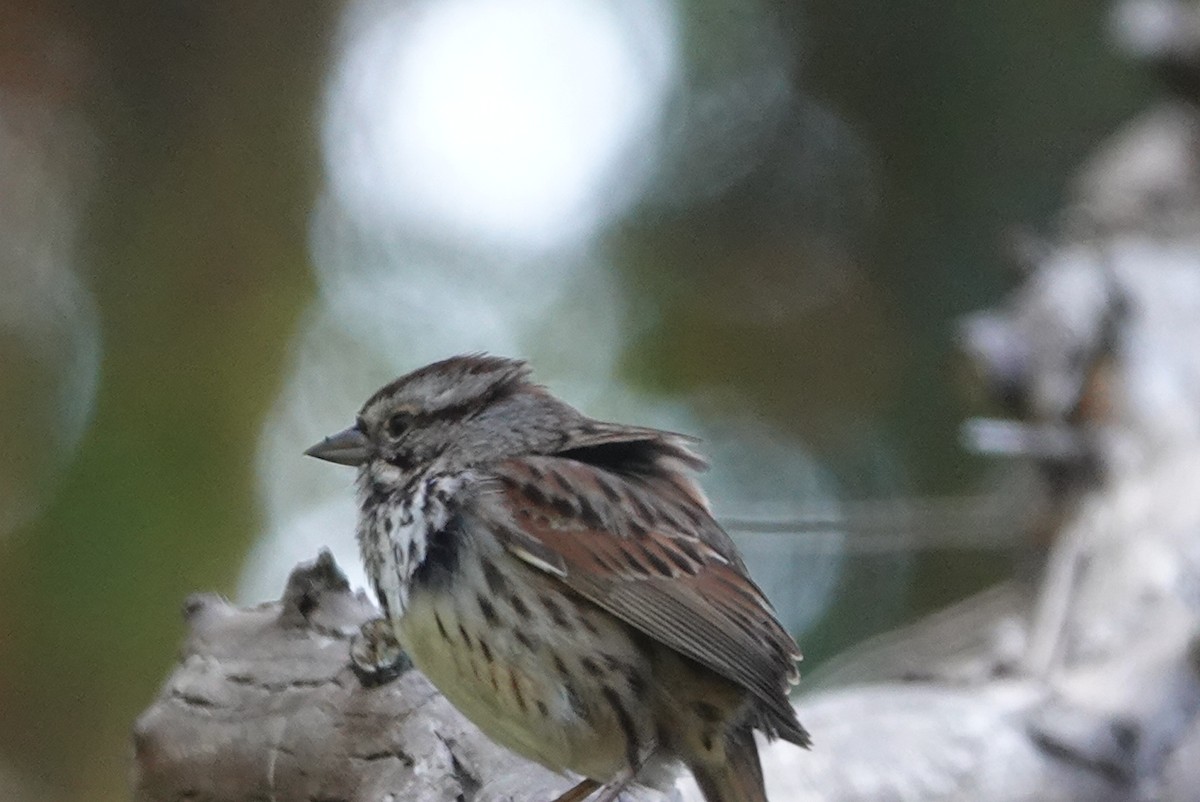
x: 196, y: 251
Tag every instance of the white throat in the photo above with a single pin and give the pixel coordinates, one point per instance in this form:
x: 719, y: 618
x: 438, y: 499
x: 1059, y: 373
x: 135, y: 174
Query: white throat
x: 397, y: 515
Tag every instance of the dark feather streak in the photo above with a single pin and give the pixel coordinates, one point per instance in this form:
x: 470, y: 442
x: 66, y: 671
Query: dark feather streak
x: 496, y: 582
x: 441, y: 556
x: 633, y: 748
x: 487, y: 610
x: 557, y: 614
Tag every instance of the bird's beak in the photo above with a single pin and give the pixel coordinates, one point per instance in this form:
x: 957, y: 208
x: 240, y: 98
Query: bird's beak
x: 347, y: 447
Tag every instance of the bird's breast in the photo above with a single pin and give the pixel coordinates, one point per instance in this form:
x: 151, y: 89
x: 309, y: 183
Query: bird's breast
x: 548, y: 676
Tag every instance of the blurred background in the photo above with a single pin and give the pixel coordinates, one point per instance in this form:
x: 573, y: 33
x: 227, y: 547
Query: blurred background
x: 223, y: 226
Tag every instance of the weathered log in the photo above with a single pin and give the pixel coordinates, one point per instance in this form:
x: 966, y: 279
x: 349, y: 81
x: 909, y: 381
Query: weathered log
x: 264, y: 705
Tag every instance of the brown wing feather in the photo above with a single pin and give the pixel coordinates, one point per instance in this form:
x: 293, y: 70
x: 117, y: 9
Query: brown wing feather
x: 644, y: 548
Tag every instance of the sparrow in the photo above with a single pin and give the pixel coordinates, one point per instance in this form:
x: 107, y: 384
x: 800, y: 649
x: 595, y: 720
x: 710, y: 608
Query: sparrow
x: 562, y: 581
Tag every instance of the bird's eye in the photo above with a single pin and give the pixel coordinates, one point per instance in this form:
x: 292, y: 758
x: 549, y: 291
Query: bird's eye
x: 397, y: 424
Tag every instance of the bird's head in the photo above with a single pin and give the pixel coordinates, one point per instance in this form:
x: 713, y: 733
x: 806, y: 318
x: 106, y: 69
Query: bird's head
x: 450, y: 415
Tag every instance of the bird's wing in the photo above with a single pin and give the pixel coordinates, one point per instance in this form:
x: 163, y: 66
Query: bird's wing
x: 645, y: 549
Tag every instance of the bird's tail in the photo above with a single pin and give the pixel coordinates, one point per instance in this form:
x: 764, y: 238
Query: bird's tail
x: 739, y: 778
